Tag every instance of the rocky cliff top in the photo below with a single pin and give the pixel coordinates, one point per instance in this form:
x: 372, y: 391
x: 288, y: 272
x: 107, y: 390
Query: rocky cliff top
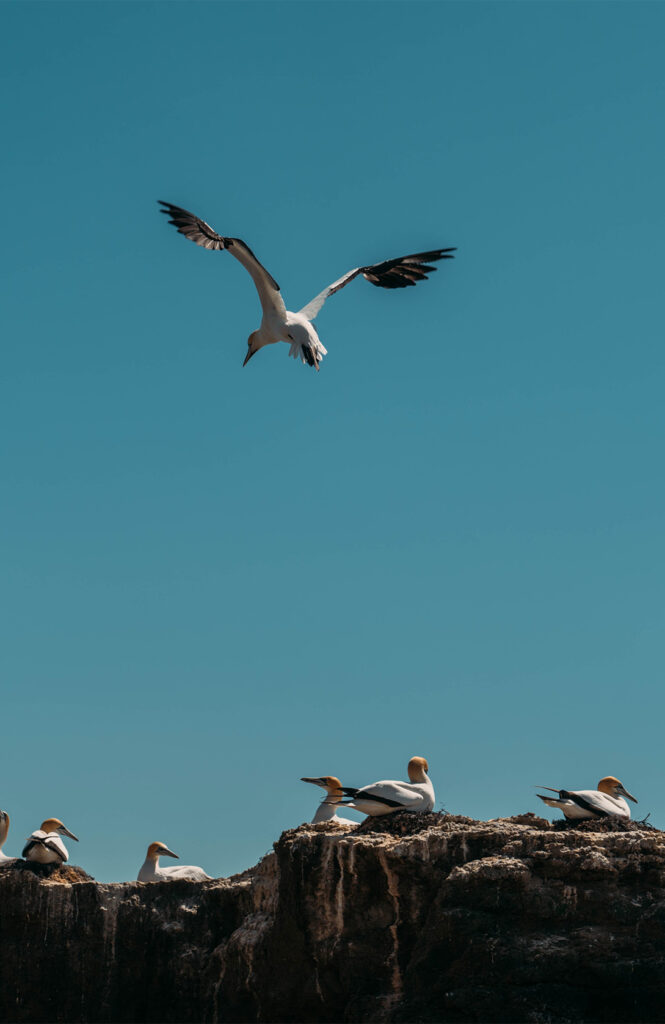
x: 406, y: 918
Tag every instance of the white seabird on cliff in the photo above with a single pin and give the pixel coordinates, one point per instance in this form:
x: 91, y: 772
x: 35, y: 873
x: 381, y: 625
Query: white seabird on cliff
x: 4, y: 829
x: 44, y: 846
x: 327, y: 809
x: 296, y: 329
x: 151, y: 871
x: 388, y: 796
x: 605, y: 802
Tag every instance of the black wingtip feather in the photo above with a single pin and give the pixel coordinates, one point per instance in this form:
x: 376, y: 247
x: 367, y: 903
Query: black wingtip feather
x: 405, y: 270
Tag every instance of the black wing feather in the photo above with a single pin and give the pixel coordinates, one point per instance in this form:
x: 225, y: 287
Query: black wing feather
x: 46, y: 844
x: 367, y: 794
x: 405, y: 270
x: 192, y: 227
x: 581, y: 802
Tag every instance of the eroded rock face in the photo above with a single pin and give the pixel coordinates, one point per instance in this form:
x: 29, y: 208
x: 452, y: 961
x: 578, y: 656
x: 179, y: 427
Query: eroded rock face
x: 414, y: 918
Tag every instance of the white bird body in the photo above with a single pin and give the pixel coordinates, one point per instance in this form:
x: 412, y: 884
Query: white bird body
x: 44, y: 845
x: 605, y: 802
x: 46, y: 848
x: 328, y: 812
x: 4, y: 829
x: 152, y: 872
x: 327, y: 809
x: 278, y: 323
x: 298, y: 333
x: 389, y: 795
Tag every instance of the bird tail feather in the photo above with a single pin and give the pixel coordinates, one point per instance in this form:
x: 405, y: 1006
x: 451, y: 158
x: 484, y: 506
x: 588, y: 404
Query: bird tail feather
x: 549, y: 800
x: 309, y: 354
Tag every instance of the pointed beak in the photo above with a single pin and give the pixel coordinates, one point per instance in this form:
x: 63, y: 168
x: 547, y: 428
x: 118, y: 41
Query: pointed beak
x: 624, y: 792
x: 66, y: 832
x: 169, y: 853
x: 315, y: 782
x: 248, y: 356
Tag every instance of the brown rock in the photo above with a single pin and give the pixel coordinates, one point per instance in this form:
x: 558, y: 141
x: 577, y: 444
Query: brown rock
x: 408, y: 918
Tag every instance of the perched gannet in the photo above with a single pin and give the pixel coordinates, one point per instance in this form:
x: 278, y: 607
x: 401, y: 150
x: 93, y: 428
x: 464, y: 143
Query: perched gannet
x: 387, y: 796
x: 327, y: 809
x: 45, y: 845
x: 4, y: 829
x: 151, y: 871
x: 296, y: 329
x: 603, y: 802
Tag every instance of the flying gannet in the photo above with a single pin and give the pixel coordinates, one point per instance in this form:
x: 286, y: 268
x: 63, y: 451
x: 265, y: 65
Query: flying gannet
x: 604, y: 802
x: 296, y: 329
x: 327, y: 809
x: 388, y: 796
x: 151, y: 871
x: 4, y: 829
x: 45, y: 845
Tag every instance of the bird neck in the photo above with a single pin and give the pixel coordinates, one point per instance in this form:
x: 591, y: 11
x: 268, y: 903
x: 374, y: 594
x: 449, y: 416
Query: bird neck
x: 151, y: 866
x: 324, y: 812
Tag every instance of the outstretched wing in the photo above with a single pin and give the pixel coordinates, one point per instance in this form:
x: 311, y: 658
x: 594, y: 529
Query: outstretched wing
x: 192, y: 227
x: 197, y: 230
x: 398, y: 273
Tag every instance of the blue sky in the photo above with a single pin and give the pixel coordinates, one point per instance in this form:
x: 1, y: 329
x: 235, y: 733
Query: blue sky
x: 449, y: 542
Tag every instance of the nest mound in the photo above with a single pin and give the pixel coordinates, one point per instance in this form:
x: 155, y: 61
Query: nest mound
x: 64, y: 873
x: 612, y: 824
x: 410, y: 823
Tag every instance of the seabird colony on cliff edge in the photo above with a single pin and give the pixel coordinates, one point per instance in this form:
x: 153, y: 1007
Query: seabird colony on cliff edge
x: 45, y: 845
x: 297, y: 329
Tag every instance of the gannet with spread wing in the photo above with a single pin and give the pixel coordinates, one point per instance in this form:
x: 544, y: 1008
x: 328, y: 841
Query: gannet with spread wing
x: 297, y: 329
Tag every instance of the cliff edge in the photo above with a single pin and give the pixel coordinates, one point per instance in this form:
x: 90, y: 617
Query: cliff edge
x: 413, y: 918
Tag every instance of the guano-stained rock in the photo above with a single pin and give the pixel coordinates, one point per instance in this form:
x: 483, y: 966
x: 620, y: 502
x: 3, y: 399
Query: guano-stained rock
x: 416, y: 918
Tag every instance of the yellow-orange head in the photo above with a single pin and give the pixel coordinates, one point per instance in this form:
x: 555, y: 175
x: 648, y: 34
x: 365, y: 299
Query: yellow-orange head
x: 614, y: 788
x: 254, y: 343
x: 55, y: 825
x: 51, y: 825
x: 328, y: 782
x: 156, y: 850
x: 418, y: 769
